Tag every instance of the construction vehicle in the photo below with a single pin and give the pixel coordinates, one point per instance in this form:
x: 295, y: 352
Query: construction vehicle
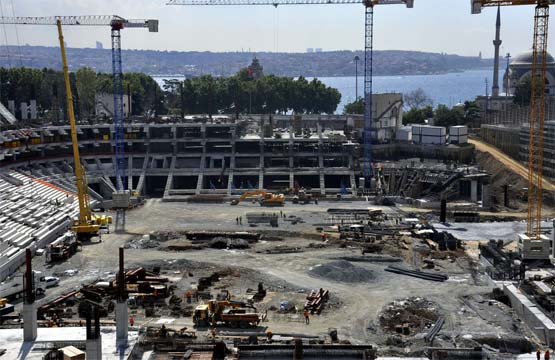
x: 62, y: 248
x: 230, y: 313
x: 15, y: 289
x: 5, y: 308
x: 266, y: 198
x: 302, y: 197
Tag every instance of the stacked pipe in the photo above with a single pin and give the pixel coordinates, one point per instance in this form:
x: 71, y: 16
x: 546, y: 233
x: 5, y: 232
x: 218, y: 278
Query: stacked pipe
x: 417, y: 274
x: 316, y: 300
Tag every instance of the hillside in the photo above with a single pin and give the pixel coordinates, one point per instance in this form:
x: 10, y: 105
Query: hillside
x: 333, y: 63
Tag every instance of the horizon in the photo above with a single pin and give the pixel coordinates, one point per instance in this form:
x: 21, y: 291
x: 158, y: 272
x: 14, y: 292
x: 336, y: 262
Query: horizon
x: 285, y: 29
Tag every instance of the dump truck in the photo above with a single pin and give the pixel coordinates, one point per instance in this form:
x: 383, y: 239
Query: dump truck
x: 229, y: 313
x: 265, y: 198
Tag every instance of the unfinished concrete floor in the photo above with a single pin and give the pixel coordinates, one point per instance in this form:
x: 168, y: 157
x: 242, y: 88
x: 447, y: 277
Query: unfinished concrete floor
x: 354, y: 307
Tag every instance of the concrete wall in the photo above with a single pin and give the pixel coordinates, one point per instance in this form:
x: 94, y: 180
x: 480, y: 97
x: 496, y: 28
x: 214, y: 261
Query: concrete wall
x: 504, y: 138
x: 531, y: 314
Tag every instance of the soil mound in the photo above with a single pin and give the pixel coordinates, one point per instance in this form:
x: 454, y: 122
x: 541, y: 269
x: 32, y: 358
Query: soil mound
x: 342, y: 271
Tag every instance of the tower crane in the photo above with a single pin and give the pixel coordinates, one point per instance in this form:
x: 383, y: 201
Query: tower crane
x: 86, y: 223
x: 368, y: 54
x: 537, y: 106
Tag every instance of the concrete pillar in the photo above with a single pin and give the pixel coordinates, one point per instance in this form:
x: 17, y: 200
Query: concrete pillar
x: 553, y: 241
x: 473, y: 190
x: 486, y: 196
x: 121, y: 305
x: 29, y: 311
x: 94, y: 349
x: 29, y: 322
x: 122, y: 316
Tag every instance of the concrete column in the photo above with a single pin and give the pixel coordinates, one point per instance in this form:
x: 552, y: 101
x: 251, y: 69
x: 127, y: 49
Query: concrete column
x: 94, y: 349
x: 29, y: 322
x: 486, y: 196
x: 261, y: 179
x: 473, y: 190
x: 291, y: 179
x: 122, y: 314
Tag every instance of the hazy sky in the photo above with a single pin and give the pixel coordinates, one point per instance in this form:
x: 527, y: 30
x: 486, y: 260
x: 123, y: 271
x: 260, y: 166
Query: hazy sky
x: 432, y: 25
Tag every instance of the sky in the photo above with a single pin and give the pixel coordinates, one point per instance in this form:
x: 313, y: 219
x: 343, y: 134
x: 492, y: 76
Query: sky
x: 432, y: 25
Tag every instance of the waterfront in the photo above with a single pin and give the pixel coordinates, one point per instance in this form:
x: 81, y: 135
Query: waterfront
x: 448, y: 89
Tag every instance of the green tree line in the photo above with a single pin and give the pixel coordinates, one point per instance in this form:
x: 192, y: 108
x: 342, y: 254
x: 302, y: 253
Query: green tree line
x: 202, y: 95
x: 241, y: 94
x: 48, y: 88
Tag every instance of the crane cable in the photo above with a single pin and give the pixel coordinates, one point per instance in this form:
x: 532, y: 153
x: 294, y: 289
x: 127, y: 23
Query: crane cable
x: 5, y: 36
x: 17, y: 37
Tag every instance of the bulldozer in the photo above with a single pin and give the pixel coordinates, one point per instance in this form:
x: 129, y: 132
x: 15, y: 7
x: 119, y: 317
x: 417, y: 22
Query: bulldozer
x: 265, y: 198
x: 230, y: 313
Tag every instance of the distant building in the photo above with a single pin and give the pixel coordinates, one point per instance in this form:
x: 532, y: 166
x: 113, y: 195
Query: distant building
x: 318, y: 50
x: 521, y: 66
x: 99, y: 45
x: 104, y: 104
x: 309, y: 50
x: 255, y: 69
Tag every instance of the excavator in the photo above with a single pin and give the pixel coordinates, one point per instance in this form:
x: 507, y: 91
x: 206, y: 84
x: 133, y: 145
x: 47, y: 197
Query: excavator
x: 86, y: 225
x: 230, y: 313
x: 266, y: 198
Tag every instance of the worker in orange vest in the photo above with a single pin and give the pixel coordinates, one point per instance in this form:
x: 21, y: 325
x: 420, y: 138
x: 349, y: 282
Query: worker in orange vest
x: 546, y: 355
x: 306, y: 316
x: 131, y: 320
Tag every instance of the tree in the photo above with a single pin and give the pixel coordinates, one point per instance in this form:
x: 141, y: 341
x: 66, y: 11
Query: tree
x: 85, y: 79
x: 355, y: 107
x: 444, y: 116
x: 523, y: 91
x: 417, y: 99
x: 471, y: 112
x: 418, y: 116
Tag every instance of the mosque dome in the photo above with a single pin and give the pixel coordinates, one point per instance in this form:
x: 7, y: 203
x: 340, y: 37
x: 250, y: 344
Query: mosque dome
x: 525, y: 58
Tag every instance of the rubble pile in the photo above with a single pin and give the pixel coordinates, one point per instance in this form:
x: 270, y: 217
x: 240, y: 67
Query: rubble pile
x: 409, y: 316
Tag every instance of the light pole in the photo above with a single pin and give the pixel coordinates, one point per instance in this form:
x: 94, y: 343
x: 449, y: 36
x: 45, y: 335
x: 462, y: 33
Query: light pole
x: 356, y: 76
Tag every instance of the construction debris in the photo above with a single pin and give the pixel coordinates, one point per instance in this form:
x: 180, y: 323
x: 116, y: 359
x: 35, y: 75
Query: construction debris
x: 409, y: 317
x: 316, y: 300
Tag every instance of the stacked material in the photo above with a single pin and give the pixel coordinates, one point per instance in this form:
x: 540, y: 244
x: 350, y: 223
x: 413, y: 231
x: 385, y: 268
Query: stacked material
x: 316, y: 300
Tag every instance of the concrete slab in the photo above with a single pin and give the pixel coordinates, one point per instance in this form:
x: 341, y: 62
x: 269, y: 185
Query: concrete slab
x: 12, y: 341
x: 485, y: 231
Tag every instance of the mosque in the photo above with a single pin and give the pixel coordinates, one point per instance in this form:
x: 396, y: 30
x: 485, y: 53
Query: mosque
x: 521, y: 66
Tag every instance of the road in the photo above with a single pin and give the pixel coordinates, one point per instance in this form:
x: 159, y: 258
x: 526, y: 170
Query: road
x: 509, y: 162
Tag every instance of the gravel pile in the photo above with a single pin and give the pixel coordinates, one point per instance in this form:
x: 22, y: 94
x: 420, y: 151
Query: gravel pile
x: 342, y: 271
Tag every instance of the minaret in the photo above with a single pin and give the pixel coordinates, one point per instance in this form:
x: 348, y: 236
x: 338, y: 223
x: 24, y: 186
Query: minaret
x: 497, y: 44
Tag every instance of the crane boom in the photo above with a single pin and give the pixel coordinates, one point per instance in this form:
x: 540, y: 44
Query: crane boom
x: 87, y: 20
x: 84, y: 224
x: 408, y: 3
x: 477, y: 5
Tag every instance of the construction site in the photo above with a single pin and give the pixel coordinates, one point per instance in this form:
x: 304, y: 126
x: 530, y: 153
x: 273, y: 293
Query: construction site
x: 271, y: 236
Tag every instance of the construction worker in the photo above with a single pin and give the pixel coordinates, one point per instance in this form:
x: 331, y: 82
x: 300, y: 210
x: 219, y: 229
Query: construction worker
x: 188, y: 295
x: 131, y: 320
x: 546, y: 355
x: 306, y: 316
x: 214, y: 333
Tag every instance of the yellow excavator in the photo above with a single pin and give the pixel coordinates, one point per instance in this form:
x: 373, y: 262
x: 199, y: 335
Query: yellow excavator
x: 266, y: 198
x: 229, y: 313
x: 87, y: 225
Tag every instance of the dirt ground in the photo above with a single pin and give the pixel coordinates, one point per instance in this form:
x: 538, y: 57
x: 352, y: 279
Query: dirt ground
x: 354, y: 307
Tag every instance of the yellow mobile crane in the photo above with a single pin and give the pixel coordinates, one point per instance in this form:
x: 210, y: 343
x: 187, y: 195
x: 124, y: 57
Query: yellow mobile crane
x: 87, y: 225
